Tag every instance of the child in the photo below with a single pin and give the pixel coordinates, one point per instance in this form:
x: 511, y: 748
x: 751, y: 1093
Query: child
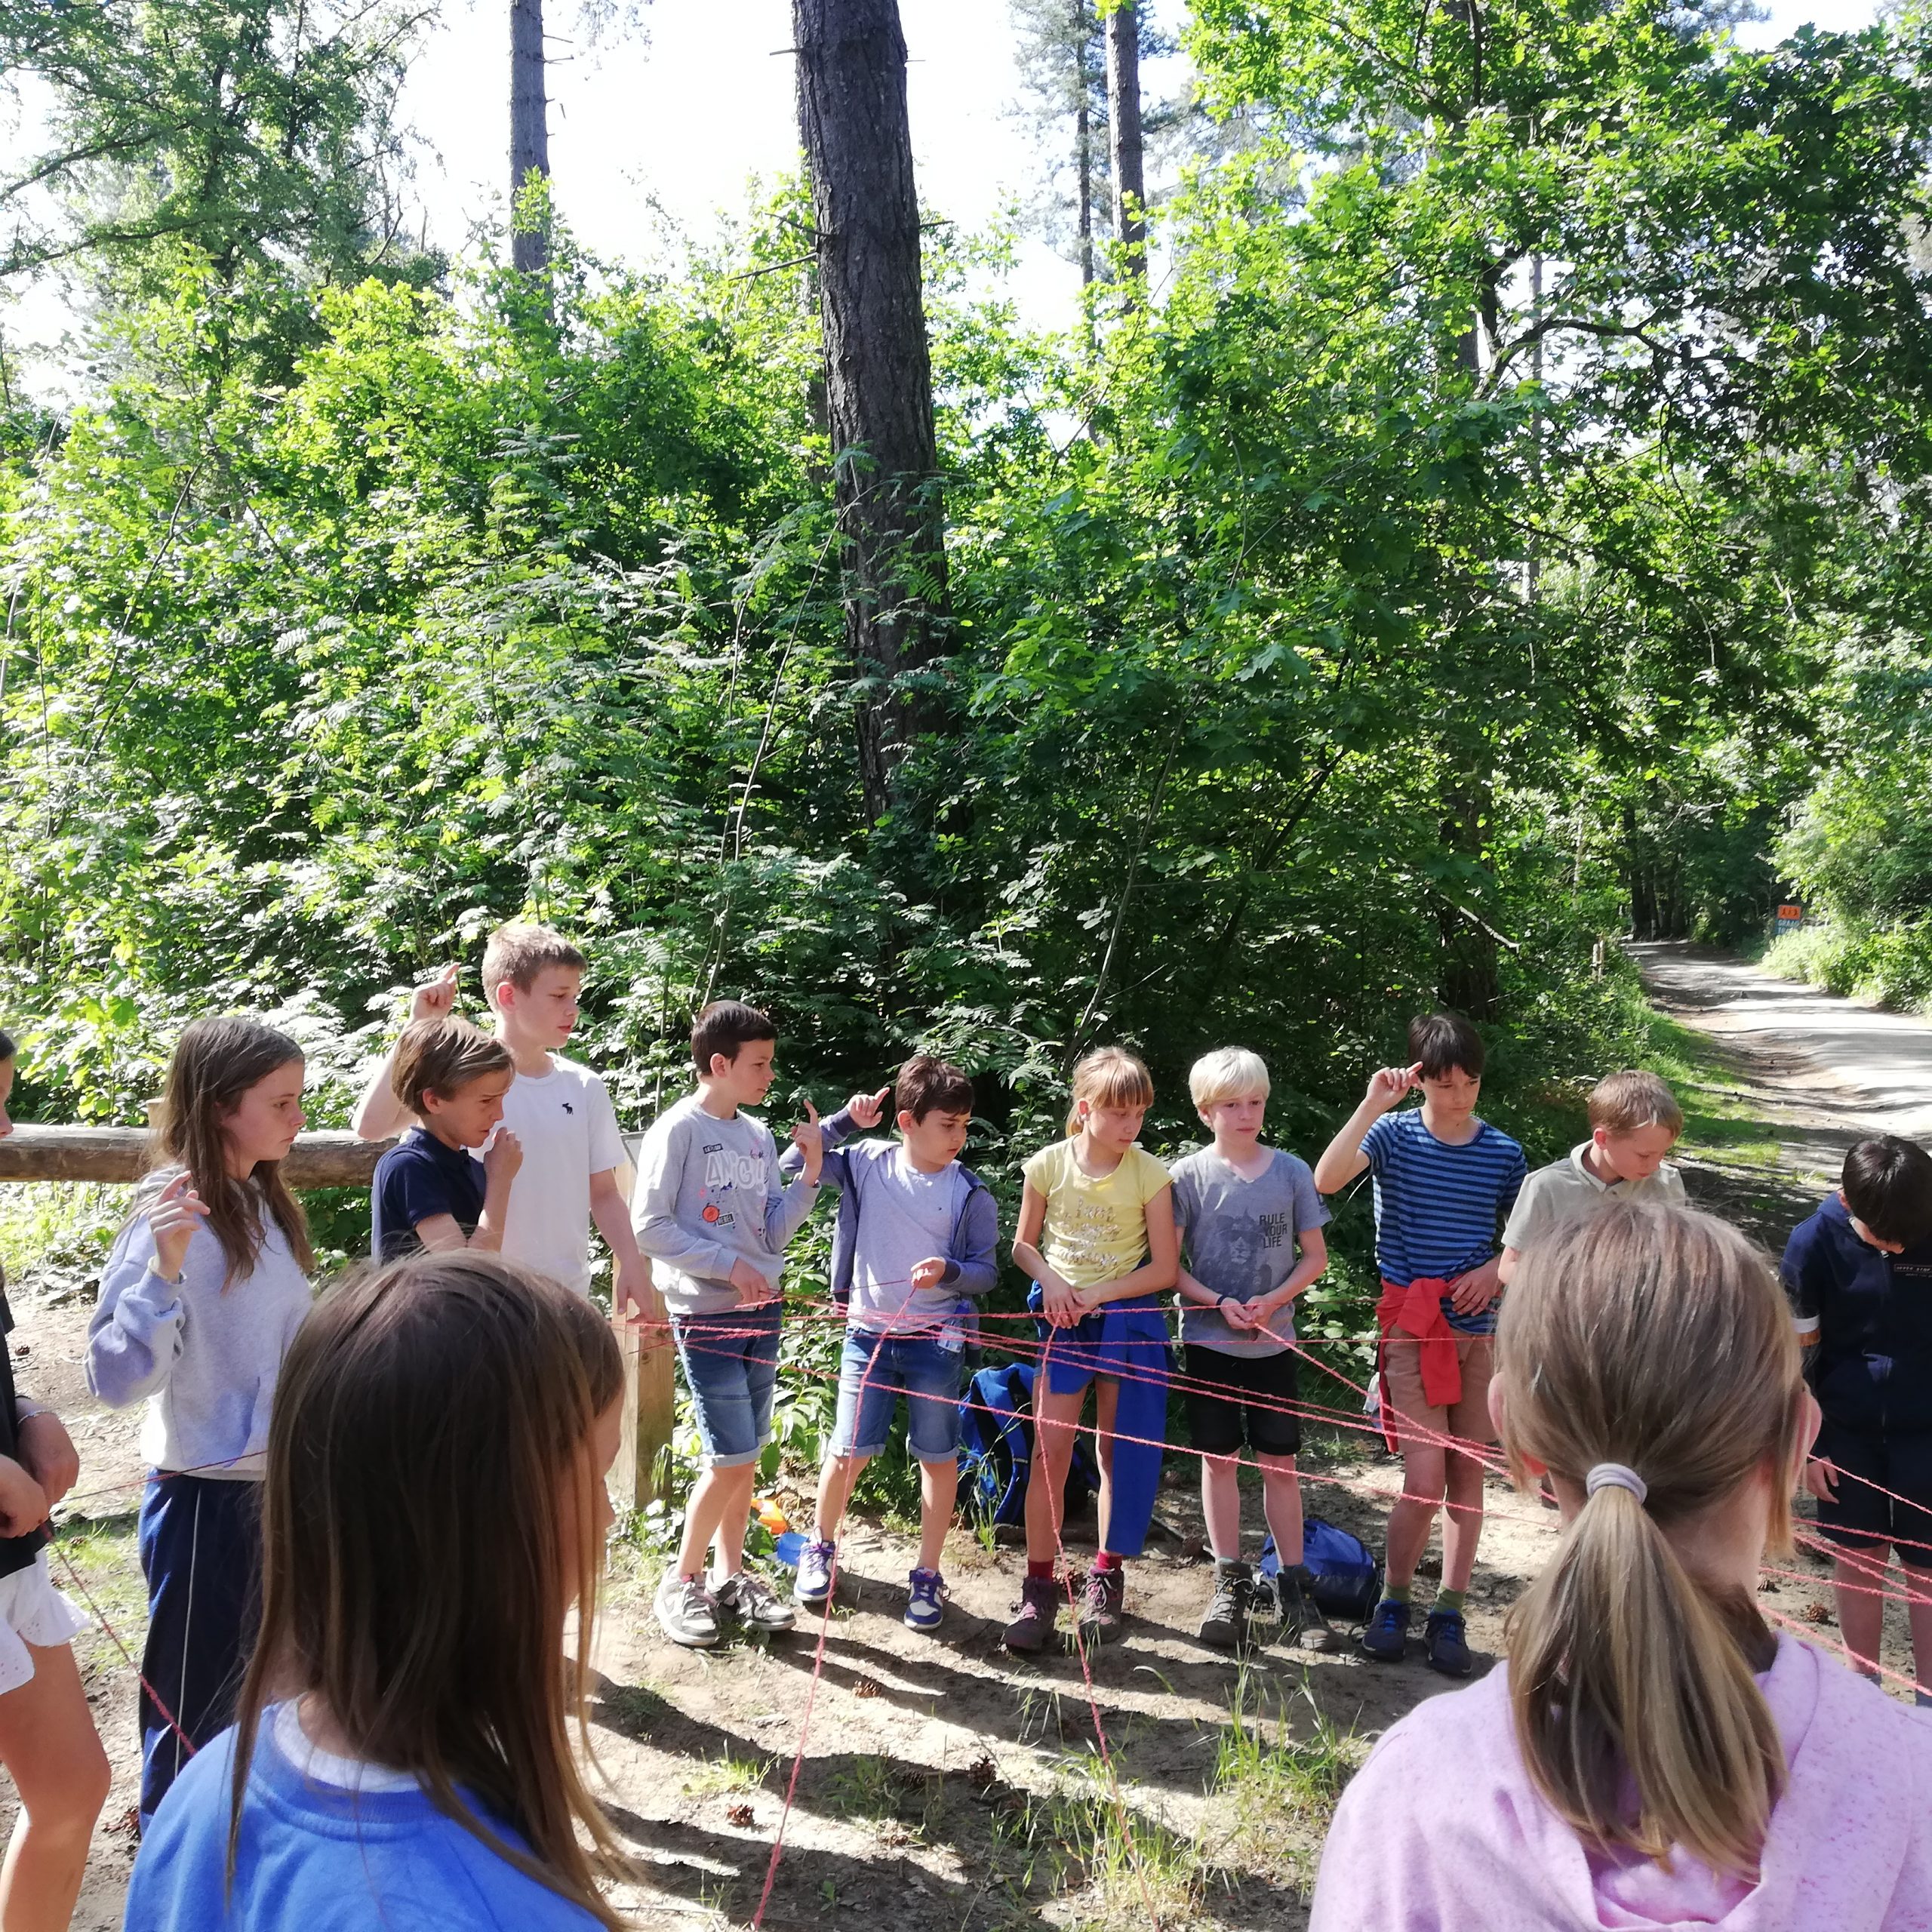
x: 1859, y: 1273
x: 560, y: 1112
x: 917, y: 1236
x: 47, y: 1741
x: 1652, y: 1756
x: 1243, y: 1211
x: 711, y: 1208
x: 1096, y: 1234
x: 1444, y: 1183
x: 201, y: 1295
x: 428, y: 1193
x: 1634, y: 1121
x: 401, y: 1755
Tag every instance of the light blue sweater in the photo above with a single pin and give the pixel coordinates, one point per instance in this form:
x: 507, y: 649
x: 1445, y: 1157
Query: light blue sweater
x: 316, y: 1858
x: 204, y: 1359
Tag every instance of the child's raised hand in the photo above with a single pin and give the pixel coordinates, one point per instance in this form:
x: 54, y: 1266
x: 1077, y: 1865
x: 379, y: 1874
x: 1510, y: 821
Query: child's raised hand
x: 22, y: 1501
x: 435, y: 997
x: 929, y: 1273
x: 809, y: 1142
x: 1388, y: 1085
x: 178, y: 1210
x: 867, y: 1110
x: 502, y: 1157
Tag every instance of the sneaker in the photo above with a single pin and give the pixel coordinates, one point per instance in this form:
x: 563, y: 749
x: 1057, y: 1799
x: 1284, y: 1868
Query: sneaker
x: 1302, y: 1624
x: 687, y: 1611
x: 753, y: 1602
x: 815, y: 1562
x: 1387, y: 1636
x: 1446, y: 1644
x: 1100, y: 1604
x: 1226, y: 1624
x: 1039, y: 1607
x: 927, y: 1604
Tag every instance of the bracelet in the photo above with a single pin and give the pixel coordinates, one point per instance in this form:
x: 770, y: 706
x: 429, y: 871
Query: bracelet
x: 168, y: 1281
x: 25, y: 1410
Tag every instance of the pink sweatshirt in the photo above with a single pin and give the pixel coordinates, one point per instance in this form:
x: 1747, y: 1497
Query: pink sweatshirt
x: 1441, y: 1830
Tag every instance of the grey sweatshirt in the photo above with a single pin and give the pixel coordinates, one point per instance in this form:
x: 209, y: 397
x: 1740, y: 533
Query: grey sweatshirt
x: 205, y: 1358
x: 707, y: 1194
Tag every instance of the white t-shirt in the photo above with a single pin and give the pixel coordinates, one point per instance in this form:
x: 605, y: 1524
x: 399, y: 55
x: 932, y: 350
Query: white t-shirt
x: 568, y: 1130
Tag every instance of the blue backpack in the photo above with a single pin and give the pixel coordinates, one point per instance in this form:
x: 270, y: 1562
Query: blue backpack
x: 996, y: 1447
x: 1348, y: 1579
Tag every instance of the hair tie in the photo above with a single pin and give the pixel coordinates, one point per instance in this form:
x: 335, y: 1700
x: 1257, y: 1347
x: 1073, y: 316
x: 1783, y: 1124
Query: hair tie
x: 1614, y: 1475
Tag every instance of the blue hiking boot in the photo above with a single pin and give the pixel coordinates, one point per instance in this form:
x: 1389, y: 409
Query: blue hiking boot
x: 1445, y: 1644
x: 814, y: 1585
x: 927, y: 1605
x: 1387, y: 1637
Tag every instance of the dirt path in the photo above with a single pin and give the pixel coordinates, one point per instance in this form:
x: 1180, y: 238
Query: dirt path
x: 944, y: 1785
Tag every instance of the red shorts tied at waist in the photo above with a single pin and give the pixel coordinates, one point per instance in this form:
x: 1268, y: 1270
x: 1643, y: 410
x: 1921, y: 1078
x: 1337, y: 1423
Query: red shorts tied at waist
x: 1416, y: 1310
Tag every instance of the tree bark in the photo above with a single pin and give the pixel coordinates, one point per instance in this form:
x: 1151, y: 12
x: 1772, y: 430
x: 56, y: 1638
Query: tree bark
x: 121, y: 1154
x: 858, y: 142
x: 1083, y: 136
x: 1124, y: 116
x: 530, y: 128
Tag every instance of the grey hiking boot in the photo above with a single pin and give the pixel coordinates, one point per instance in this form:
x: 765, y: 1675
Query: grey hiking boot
x: 1226, y: 1624
x: 687, y: 1611
x: 1302, y: 1623
x: 1100, y: 1605
x: 1039, y: 1606
x: 752, y: 1600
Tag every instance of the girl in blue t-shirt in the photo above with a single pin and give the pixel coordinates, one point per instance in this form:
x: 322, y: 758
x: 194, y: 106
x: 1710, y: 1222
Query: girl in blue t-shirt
x: 403, y: 1734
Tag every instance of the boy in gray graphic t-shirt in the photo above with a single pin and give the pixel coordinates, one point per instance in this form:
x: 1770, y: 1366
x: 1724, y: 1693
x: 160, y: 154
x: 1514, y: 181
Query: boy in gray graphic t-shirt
x: 1250, y: 1224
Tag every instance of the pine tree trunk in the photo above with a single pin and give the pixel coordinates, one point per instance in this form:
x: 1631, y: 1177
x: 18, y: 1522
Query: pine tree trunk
x: 530, y: 129
x: 858, y: 144
x: 1083, y: 136
x: 1124, y: 115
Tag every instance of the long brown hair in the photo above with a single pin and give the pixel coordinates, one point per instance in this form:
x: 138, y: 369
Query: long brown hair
x: 1654, y: 1337
x: 216, y: 1060
x: 431, y: 1429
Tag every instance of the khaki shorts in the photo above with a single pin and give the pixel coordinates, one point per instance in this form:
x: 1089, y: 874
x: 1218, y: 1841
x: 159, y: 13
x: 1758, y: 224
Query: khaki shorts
x: 1401, y: 1390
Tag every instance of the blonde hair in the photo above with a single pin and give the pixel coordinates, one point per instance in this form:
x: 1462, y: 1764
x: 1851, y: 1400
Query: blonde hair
x: 517, y: 952
x: 1228, y: 1073
x: 1109, y: 1077
x: 1655, y: 1337
x: 1629, y: 1101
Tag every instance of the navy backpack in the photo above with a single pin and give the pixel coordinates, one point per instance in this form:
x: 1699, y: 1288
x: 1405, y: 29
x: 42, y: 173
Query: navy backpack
x: 996, y: 1447
x: 1348, y: 1579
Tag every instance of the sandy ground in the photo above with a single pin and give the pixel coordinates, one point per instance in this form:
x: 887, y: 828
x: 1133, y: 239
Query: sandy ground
x: 937, y: 1779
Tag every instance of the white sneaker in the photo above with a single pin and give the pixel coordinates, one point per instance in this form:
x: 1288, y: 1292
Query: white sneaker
x: 687, y: 1611
x: 751, y: 1600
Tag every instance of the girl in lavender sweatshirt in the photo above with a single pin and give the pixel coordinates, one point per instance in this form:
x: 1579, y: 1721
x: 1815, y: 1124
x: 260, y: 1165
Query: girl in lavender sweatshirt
x: 1650, y: 1755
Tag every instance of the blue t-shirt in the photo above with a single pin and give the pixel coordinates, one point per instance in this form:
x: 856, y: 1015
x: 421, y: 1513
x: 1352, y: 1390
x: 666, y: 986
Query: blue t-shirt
x: 1872, y: 1367
x: 314, y: 1857
x: 1439, y: 1210
x: 416, y: 1180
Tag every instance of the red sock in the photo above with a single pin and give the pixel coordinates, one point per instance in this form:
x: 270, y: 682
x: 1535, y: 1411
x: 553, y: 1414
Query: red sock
x: 1107, y: 1560
x: 1045, y: 1571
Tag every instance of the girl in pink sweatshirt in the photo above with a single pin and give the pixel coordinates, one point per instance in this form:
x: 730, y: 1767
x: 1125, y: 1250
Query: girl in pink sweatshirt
x: 1650, y: 1756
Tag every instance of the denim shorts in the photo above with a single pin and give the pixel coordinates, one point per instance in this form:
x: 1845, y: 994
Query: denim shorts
x: 730, y: 1362
x: 875, y: 1371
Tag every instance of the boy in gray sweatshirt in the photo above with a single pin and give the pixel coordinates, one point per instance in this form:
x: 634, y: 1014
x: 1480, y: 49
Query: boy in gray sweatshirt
x: 713, y: 1216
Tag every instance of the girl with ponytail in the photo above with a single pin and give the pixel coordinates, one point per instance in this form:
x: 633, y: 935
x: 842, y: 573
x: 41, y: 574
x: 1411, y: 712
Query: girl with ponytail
x: 1651, y: 1755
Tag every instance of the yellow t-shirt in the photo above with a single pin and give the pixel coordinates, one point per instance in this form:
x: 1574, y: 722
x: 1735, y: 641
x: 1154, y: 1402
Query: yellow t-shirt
x: 1095, y: 1230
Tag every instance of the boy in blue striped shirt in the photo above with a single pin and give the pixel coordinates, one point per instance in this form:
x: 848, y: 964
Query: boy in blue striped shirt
x: 1444, y: 1183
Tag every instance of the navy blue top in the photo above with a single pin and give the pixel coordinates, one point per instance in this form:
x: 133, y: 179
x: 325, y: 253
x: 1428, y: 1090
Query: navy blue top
x: 1440, y: 1207
x: 416, y: 1180
x: 1871, y: 1368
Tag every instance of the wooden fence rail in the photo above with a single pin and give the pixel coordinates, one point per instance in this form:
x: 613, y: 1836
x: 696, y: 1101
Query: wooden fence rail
x: 119, y: 1155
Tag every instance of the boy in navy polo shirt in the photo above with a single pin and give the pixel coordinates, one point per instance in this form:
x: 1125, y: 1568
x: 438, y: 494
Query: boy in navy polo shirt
x: 1444, y: 1183
x: 1859, y: 1273
x: 428, y: 1193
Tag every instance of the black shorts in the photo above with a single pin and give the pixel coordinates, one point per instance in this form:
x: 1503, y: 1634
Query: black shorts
x: 1232, y: 1399
x: 1863, y: 1517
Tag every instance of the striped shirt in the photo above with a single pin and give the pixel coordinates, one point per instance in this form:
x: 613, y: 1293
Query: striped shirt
x: 1437, y: 1207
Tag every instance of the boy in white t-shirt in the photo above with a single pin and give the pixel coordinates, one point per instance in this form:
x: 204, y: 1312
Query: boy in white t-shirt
x: 560, y: 1112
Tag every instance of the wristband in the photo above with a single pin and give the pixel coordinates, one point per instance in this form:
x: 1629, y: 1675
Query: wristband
x: 25, y: 1410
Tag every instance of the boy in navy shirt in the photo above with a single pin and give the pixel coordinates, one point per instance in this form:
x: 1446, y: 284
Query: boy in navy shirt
x: 428, y: 1193
x: 1444, y: 1183
x: 1859, y: 1273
